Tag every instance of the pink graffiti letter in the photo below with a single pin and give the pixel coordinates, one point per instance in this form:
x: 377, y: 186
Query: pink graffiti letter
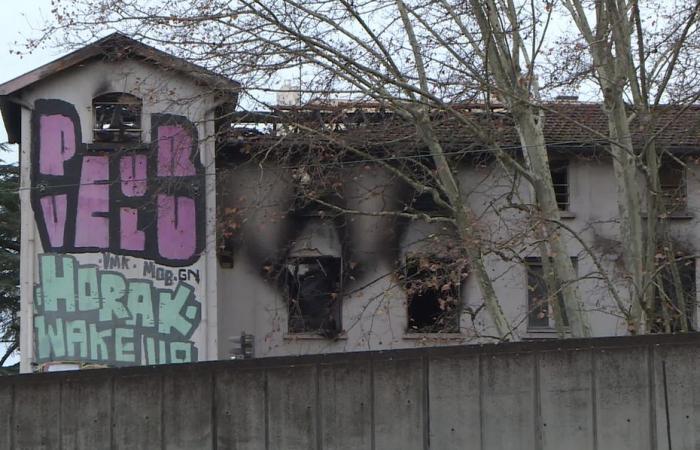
x: 92, y: 225
x: 131, y: 238
x: 133, y: 175
x: 54, y: 209
x: 56, y: 143
x: 177, y: 227
x: 174, y: 152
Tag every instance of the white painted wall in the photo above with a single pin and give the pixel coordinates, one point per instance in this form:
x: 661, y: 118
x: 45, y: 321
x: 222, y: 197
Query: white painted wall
x: 162, y: 92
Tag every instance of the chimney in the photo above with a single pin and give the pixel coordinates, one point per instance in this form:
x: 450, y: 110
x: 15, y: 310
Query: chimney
x: 289, y: 95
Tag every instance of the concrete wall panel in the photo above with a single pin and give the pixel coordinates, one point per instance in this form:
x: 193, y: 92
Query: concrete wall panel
x: 455, y: 408
x: 6, y: 399
x: 137, y: 412
x: 292, y: 409
x: 399, y: 404
x: 187, y: 409
x: 346, y: 406
x: 623, y: 399
x: 240, y: 409
x: 37, y: 415
x: 566, y: 394
x: 508, y: 402
x: 682, y: 393
x: 86, y: 413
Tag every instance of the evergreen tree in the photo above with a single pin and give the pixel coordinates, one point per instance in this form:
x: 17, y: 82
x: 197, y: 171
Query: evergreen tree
x: 9, y: 259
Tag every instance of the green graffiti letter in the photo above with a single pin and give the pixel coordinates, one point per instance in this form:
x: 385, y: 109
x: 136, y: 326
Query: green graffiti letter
x: 88, y: 289
x: 99, y: 351
x: 140, y: 303
x: 49, y: 338
x: 170, y: 310
x: 124, y: 345
x: 113, y: 289
x: 76, y: 334
x: 57, y: 281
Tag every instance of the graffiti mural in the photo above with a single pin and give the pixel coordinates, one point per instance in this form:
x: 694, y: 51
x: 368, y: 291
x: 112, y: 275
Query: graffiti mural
x: 87, y: 313
x: 147, y: 203
x: 122, y: 232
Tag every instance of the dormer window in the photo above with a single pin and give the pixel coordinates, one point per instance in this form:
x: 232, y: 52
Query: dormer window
x: 117, y: 118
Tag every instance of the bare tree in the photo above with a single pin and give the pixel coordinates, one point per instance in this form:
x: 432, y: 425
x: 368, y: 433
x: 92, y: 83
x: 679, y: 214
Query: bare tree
x: 637, y: 61
x: 423, y: 62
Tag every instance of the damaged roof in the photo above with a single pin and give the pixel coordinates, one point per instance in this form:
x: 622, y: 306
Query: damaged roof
x: 567, y: 124
x: 114, y: 47
x: 118, y: 46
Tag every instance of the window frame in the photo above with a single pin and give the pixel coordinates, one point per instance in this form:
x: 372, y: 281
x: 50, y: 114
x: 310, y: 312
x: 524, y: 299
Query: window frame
x: 669, y: 198
x: 561, y: 165
x: 123, y: 135
x: 532, y: 262
x: 455, y: 327
x: 334, y: 308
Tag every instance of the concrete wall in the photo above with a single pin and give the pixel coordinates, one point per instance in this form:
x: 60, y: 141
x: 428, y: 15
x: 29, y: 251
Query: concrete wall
x: 612, y: 393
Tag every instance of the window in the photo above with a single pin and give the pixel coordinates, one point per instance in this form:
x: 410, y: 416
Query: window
x: 559, y: 170
x: 672, y: 179
x: 675, y: 292
x: 432, y: 288
x: 117, y: 118
x: 313, y: 290
x: 540, y: 315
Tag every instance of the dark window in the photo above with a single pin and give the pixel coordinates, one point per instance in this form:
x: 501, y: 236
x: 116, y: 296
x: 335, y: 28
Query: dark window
x: 313, y: 288
x: 433, y: 294
x: 117, y: 118
x: 560, y: 181
x: 540, y: 314
x: 675, y: 291
x: 672, y: 179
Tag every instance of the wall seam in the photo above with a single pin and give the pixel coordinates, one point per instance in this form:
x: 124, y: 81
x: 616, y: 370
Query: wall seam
x: 266, y: 398
x: 13, y: 431
x: 60, y: 415
x: 317, y: 388
x: 112, y: 424
x: 162, y: 412
x: 373, y: 439
x: 214, y: 425
x: 594, y: 398
x: 426, y: 403
x: 480, y: 365
x: 539, y: 438
x: 652, y: 397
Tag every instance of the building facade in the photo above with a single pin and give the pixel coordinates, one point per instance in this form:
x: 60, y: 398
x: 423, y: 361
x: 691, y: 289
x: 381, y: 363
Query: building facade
x: 150, y: 234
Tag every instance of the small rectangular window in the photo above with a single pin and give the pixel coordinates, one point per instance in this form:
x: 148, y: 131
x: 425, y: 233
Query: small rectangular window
x: 433, y: 294
x: 117, y: 118
x: 672, y: 179
x: 313, y: 289
x: 540, y: 315
x: 559, y: 170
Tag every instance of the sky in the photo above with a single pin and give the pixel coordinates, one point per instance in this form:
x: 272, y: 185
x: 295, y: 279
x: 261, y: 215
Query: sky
x: 19, y: 21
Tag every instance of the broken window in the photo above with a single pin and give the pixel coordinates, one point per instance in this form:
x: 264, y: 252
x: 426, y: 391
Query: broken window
x: 432, y: 289
x: 674, y: 293
x: 313, y: 288
x: 540, y: 313
x: 117, y: 118
x: 672, y: 182
x: 559, y: 170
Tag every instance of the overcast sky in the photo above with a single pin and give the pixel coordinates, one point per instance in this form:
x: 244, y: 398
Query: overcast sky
x: 18, y: 21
